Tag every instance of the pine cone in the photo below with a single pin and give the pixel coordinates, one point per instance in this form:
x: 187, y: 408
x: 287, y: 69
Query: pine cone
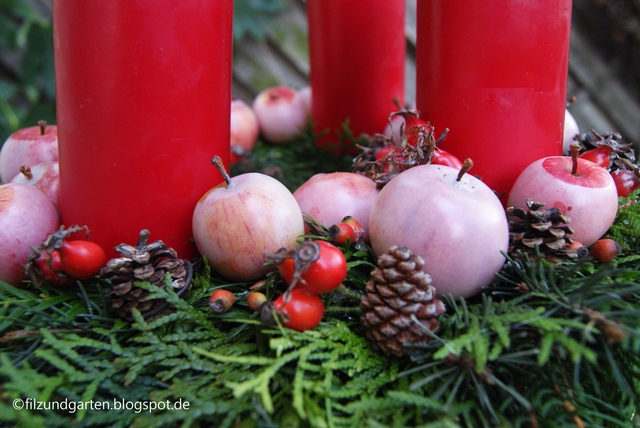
x: 546, y: 229
x: 144, y: 262
x: 399, y: 289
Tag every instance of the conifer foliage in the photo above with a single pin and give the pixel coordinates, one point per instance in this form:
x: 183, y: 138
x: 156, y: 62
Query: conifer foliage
x: 546, y: 344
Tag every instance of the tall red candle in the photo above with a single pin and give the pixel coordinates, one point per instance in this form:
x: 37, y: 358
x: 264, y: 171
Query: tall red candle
x: 357, y: 56
x: 494, y: 73
x: 143, y: 104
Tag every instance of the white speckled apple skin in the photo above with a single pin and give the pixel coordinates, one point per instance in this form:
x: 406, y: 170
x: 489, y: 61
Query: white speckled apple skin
x: 590, y: 200
x: 459, y: 228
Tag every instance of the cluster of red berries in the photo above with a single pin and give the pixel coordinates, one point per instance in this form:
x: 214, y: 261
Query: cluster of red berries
x: 348, y: 230
x: 60, y: 261
x: 314, y: 268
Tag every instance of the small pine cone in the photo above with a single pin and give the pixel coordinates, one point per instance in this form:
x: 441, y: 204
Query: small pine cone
x: 399, y: 289
x: 546, y: 229
x: 155, y: 263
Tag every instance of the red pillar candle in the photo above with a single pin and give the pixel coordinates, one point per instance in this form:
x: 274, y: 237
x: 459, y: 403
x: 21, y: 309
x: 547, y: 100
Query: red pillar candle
x: 143, y: 104
x: 494, y: 73
x: 357, y: 56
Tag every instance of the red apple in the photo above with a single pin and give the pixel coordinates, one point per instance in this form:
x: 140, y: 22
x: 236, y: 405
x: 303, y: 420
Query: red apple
x: 328, y: 198
x: 44, y: 177
x: 584, y: 191
x: 27, y: 217
x: 244, y: 129
x: 236, y: 223
x: 28, y: 147
x: 281, y: 114
x: 451, y: 219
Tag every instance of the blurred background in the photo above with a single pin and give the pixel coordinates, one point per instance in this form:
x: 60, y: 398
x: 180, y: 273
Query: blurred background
x: 270, y: 48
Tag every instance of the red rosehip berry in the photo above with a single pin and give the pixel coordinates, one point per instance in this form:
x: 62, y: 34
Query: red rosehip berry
x: 255, y: 299
x: 221, y: 301
x: 342, y: 233
x: 605, y: 250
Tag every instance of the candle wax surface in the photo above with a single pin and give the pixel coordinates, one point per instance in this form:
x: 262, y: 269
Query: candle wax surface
x: 357, y: 59
x: 495, y: 74
x: 143, y: 104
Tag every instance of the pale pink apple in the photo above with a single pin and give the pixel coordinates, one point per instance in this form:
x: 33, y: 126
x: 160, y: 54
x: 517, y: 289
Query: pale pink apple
x: 27, y: 217
x: 281, y: 114
x: 27, y: 147
x: 459, y: 226
x: 244, y: 129
x: 570, y: 130
x: 586, y: 194
x: 328, y: 198
x: 44, y: 177
x: 307, y: 98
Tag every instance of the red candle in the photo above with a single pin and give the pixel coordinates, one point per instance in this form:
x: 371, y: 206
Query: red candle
x: 495, y: 74
x: 357, y: 56
x: 143, y: 104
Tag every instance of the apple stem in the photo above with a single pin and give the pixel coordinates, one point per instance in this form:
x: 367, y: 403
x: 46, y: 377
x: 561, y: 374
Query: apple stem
x: 466, y: 166
x: 575, y: 153
x: 217, y: 162
x: 43, y: 126
x: 26, y: 171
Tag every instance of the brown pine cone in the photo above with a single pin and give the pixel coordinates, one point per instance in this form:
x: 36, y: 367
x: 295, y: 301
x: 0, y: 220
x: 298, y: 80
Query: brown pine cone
x: 399, y: 291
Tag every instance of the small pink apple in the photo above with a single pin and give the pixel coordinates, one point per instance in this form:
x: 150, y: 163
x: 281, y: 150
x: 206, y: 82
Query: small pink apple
x: 305, y: 94
x: 27, y: 217
x: 570, y: 130
x: 244, y: 129
x: 582, y: 190
x: 281, y: 114
x: 44, y: 177
x: 28, y: 147
x: 328, y: 198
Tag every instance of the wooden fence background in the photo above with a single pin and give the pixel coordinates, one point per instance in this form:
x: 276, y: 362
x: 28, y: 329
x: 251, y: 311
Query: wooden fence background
x: 604, y: 69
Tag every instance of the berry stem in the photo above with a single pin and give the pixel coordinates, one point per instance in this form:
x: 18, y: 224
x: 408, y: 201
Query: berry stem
x: 575, y: 153
x: 466, y: 166
x: 217, y: 162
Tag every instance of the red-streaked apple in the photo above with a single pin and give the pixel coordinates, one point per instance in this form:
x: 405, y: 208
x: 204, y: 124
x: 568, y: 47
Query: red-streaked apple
x: 44, y: 177
x: 582, y: 190
x: 238, y: 222
x: 27, y: 217
x: 329, y: 198
x: 281, y: 114
x: 27, y: 147
x: 244, y: 129
x: 451, y: 219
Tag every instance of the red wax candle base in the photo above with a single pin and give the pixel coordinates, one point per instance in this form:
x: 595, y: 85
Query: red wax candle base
x: 495, y: 74
x: 143, y: 101
x: 357, y: 58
